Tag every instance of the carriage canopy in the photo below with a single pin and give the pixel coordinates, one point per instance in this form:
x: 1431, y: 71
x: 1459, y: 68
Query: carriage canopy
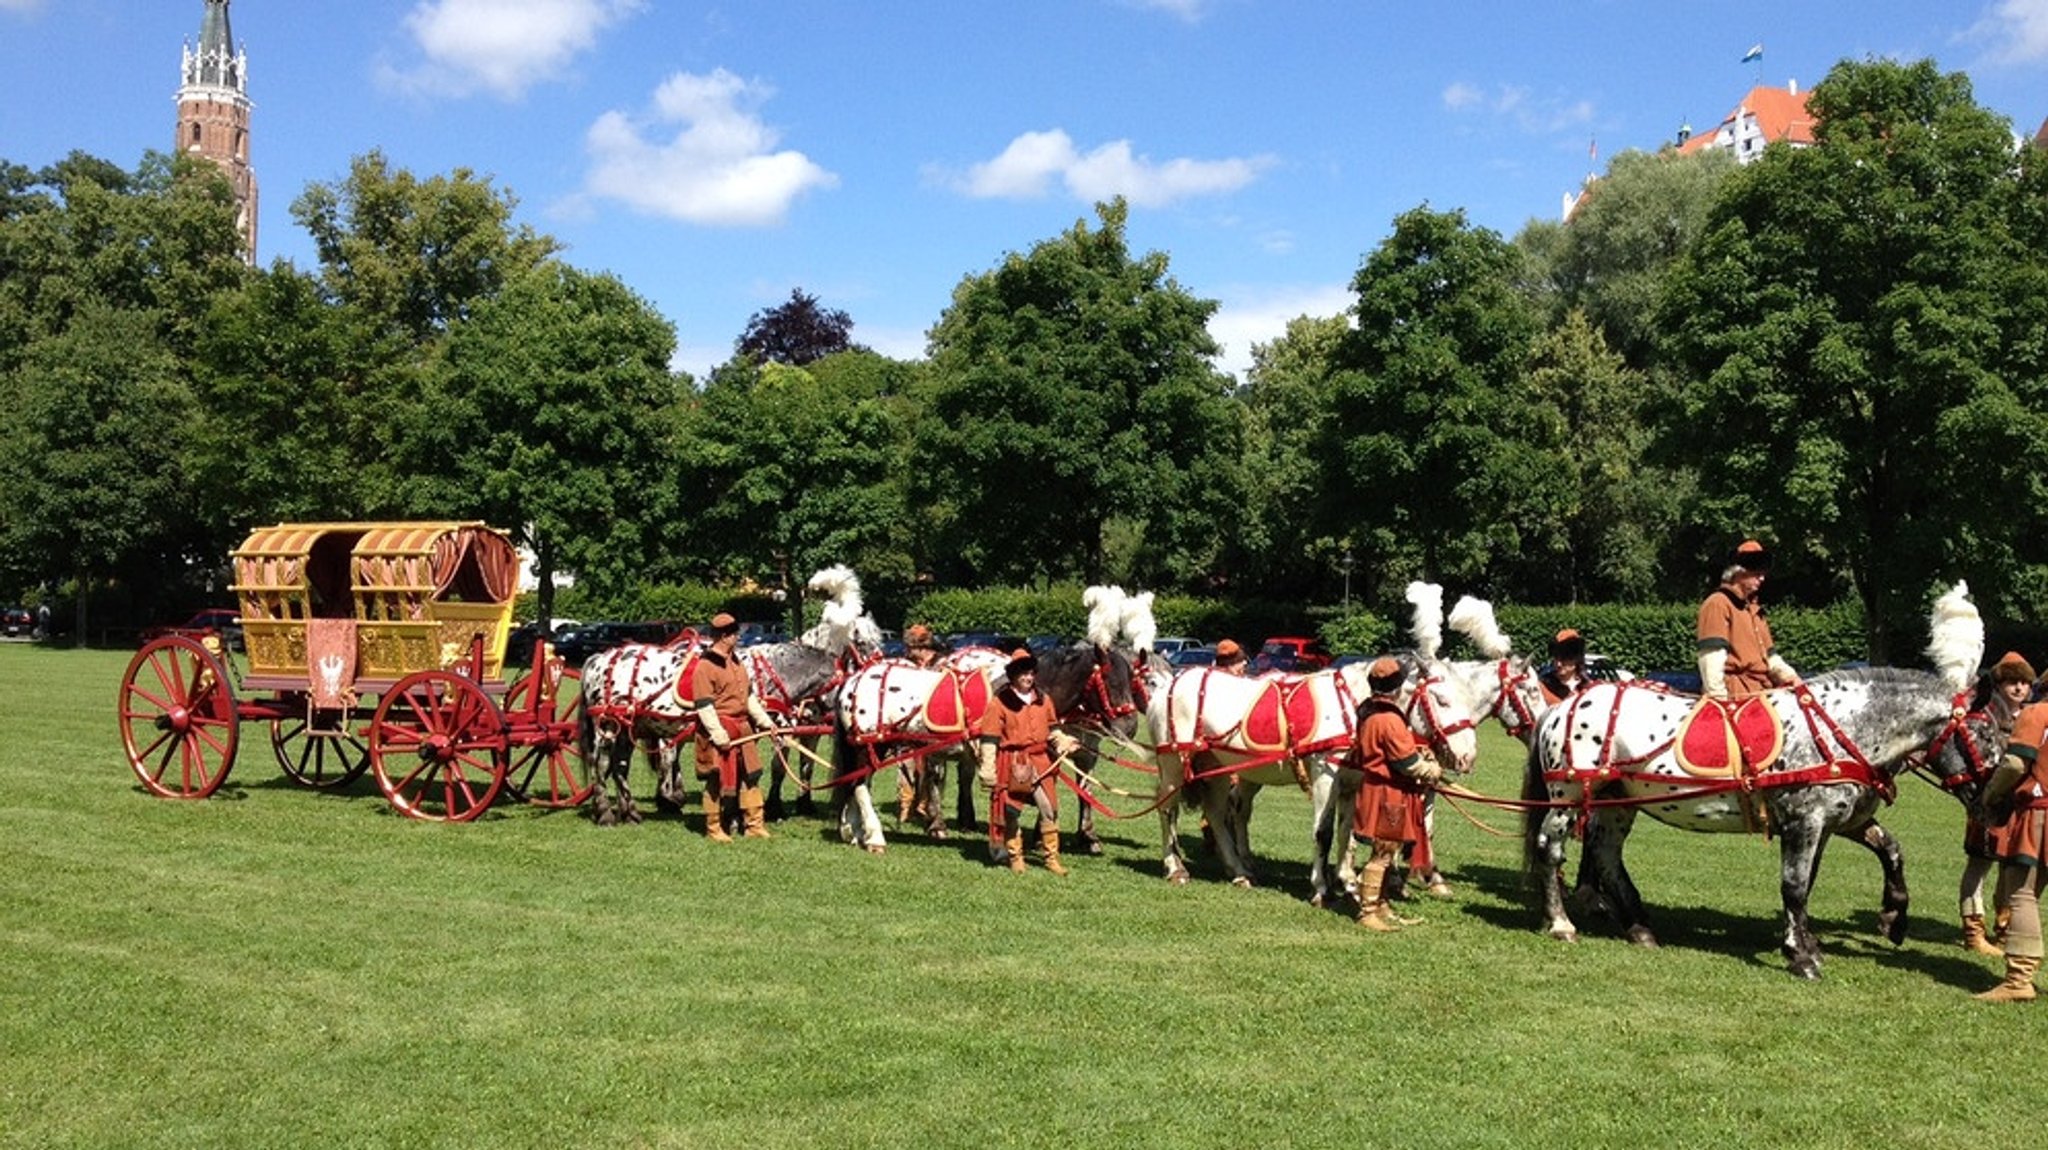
x: 392, y: 598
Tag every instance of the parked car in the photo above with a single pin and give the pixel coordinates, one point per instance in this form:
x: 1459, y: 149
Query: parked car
x: 1196, y: 656
x: 225, y: 622
x: 578, y: 644
x: 1275, y: 663
x: 994, y: 639
x: 519, y: 643
x: 1040, y: 644
x: 753, y: 633
x: 16, y: 621
x: 1172, y: 645
x: 1303, y: 654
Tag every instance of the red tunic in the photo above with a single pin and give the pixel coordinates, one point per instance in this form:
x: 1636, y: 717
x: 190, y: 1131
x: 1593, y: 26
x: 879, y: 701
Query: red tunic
x: 1737, y: 626
x: 1020, y: 730
x: 1389, y: 803
x: 2023, y: 835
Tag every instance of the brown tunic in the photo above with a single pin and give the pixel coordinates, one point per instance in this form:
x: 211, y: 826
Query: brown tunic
x: 1730, y: 623
x: 724, y: 682
x: 1389, y: 803
x: 1021, y: 731
x: 2022, y: 837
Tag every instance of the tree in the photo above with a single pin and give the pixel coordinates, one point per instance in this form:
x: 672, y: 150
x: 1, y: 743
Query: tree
x: 796, y: 333
x: 1277, y: 544
x: 553, y: 415
x: 1073, y: 418
x: 1847, y: 317
x: 1442, y: 463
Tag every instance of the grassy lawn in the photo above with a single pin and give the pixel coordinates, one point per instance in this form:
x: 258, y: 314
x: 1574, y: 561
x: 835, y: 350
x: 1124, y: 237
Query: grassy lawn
x: 276, y: 967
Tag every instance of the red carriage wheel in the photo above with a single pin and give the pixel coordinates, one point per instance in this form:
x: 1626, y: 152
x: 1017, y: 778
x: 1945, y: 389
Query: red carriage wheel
x: 314, y: 756
x: 437, y: 743
x: 178, y: 718
x: 547, y: 759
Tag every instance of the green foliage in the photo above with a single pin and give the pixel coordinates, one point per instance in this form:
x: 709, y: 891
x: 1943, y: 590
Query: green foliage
x: 1361, y: 633
x: 1661, y: 637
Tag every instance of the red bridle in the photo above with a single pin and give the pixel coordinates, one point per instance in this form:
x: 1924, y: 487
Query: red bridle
x: 1436, y: 732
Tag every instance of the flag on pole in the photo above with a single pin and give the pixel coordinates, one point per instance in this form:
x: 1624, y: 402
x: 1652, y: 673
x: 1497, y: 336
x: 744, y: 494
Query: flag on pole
x: 1756, y: 52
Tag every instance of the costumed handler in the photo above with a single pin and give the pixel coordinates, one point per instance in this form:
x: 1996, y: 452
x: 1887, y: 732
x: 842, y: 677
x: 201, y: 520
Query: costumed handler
x: 722, y: 693
x: 1016, y: 746
x: 1389, y: 810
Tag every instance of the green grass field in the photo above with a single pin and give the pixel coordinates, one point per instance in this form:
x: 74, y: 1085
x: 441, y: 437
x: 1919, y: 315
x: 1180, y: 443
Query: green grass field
x: 275, y: 967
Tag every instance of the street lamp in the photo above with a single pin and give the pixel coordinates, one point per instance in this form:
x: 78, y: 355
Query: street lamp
x: 1345, y: 565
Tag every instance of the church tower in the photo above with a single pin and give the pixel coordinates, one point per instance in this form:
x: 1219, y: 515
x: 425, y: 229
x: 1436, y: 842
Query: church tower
x: 213, y: 113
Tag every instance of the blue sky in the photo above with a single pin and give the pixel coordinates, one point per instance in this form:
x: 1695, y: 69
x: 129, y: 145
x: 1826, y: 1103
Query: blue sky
x: 715, y: 156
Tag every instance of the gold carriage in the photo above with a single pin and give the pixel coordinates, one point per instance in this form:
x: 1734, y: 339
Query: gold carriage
x: 368, y: 645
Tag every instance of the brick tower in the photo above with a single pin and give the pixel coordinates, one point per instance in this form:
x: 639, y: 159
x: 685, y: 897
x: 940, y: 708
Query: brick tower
x: 213, y: 113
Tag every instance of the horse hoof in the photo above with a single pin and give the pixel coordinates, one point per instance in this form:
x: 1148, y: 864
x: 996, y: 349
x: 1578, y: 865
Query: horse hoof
x: 1808, y: 971
x: 1641, y: 936
x: 607, y: 819
x: 1092, y: 846
x: 876, y: 848
x: 1565, y: 935
x: 1241, y: 882
x: 939, y: 834
x: 1892, y: 926
x: 1178, y: 878
x: 1316, y: 901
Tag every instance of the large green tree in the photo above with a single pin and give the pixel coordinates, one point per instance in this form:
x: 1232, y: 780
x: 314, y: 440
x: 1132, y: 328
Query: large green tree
x: 553, y: 414
x: 1848, y: 319
x: 1279, y: 545
x: 1443, y: 463
x: 1075, y: 427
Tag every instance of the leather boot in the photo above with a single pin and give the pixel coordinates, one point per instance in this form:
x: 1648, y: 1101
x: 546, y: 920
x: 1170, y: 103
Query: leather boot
x: 714, y: 819
x: 1973, y: 936
x: 1015, y: 846
x: 1372, y: 907
x: 2019, y: 981
x: 753, y: 814
x: 1050, y: 840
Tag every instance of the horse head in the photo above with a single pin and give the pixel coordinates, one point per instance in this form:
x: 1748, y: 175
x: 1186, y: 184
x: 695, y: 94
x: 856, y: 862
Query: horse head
x: 1500, y: 684
x: 1436, y: 707
x: 1091, y: 685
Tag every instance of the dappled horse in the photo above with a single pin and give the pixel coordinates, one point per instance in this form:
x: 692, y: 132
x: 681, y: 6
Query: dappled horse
x: 1213, y: 729
x: 634, y: 694
x: 1841, y: 738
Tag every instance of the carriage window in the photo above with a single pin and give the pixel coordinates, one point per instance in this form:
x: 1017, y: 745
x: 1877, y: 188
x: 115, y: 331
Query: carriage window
x: 327, y: 571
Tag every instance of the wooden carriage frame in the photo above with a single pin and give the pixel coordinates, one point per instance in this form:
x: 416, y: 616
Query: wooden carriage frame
x: 369, y: 646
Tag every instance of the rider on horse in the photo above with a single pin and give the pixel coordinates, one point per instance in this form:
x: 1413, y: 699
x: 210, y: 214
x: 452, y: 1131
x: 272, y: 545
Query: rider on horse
x: 1737, y: 656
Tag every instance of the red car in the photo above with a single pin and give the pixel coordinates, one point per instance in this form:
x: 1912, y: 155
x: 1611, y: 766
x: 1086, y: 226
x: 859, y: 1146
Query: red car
x: 1292, y: 653
x: 223, y: 621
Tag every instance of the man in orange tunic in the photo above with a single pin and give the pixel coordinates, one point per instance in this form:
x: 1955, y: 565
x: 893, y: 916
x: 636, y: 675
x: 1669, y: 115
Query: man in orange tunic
x: 727, y: 709
x: 1017, y: 745
x: 2016, y: 810
x: 2014, y: 677
x: 1737, y: 655
x: 1389, y: 810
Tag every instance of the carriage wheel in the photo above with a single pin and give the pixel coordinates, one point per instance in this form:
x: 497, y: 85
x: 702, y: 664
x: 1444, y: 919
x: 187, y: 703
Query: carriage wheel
x: 178, y: 710
x: 437, y: 743
x: 318, y: 759
x: 547, y: 759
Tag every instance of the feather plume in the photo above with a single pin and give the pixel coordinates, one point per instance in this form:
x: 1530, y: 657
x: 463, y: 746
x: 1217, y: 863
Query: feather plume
x: 1428, y: 628
x: 1473, y: 618
x: 1105, y: 613
x: 1956, y: 637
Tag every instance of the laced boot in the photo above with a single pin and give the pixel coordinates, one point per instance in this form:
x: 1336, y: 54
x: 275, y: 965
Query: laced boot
x: 1372, y: 907
x: 714, y: 819
x: 1015, y: 846
x: 2019, y: 980
x: 1050, y: 840
x: 1973, y: 936
x: 754, y: 815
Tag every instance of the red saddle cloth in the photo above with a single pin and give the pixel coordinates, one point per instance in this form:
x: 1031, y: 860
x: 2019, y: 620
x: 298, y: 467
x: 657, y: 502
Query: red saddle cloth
x: 1729, y: 739
x: 1285, y: 708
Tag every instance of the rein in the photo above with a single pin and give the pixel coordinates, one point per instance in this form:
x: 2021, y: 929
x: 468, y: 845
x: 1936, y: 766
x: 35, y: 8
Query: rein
x: 1509, y: 697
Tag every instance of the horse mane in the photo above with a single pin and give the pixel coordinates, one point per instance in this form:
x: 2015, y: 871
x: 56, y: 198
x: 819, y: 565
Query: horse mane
x: 1427, y: 629
x: 1473, y: 618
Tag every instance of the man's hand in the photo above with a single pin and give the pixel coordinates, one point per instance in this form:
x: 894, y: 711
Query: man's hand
x: 714, y: 728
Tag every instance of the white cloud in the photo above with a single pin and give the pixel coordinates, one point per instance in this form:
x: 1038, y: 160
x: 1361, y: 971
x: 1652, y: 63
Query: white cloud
x: 1032, y: 161
x: 22, y: 6
x: 1188, y: 10
x: 1513, y: 103
x: 2017, y: 31
x: 718, y: 168
x: 501, y: 46
x: 1260, y: 315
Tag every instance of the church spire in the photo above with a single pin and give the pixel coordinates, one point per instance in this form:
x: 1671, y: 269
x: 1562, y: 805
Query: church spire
x: 213, y: 112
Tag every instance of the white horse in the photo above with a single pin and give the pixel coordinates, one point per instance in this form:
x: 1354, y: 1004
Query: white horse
x: 633, y: 694
x: 1618, y: 748
x: 1220, y: 736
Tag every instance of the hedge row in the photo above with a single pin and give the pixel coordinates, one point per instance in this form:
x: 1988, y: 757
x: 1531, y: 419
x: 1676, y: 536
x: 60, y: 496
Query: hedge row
x: 1637, y: 637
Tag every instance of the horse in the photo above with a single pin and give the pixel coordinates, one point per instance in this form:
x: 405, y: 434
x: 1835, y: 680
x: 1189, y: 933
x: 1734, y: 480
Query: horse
x: 632, y: 693
x: 1220, y: 736
x: 923, y: 719
x: 1615, y: 749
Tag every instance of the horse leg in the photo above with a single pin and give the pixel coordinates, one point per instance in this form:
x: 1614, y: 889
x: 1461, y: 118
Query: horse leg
x: 1169, y: 798
x: 963, y: 801
x: 1241, y: 797
x: 1800, y: 844
x: 931, y: 795
x: 1221, y: 803
x: 1891, y: 915
x: 597, y: 746
x: 1546, y: 857
x: 1322, y: 830
x: 1606, y: 834
x: 870, y: 834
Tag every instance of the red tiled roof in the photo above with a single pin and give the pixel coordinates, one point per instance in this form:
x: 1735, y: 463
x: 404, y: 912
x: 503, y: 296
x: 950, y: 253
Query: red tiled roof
x: 1780, y: 115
